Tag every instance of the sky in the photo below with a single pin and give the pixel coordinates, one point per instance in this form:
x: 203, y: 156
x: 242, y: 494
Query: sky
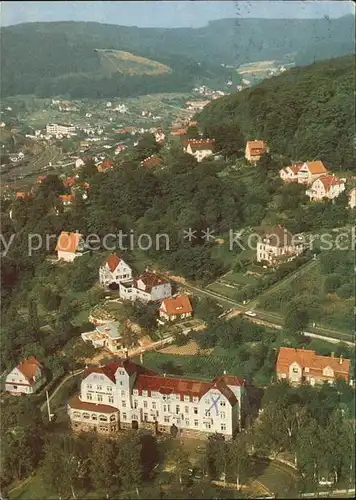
x: 168, y: 14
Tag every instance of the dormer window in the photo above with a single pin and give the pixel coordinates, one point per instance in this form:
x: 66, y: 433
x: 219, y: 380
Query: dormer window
x: 135, y: 392
x: 145, y: 394
x: 306, y: 369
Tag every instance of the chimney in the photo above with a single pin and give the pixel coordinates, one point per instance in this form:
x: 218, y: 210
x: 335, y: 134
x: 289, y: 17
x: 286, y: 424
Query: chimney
x: 341, y: 359
x: 224, y: 372
x: 332, y: 354
x: 164, y: 374
x: 141, y: 358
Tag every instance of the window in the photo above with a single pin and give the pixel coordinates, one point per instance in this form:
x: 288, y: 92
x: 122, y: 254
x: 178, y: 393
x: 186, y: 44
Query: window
x: 76, y: 414
x: 86, y: 415
x: 153, y: 405
x: 99, y: 387
x: 145, y: 404
x: 94, y: 417
x: 186, y: 409
x: 111, y: 399
x: 166, y: 418
x: 186, y: 398
x: 177, y: 409
x: 306, y: 369
x: 196, y: 423
x: 295, y: 370
x: 135, y: 392
x: 195, y: 410
x: 123, y: 404
x: 108, y: 388
x: 112, y: 418
x: 122, y: 393
x: 135, y: 404
x: 145, y: 417
x: 223, y: 427
x: 207, y: 413
x: 222, y: 403
x: 99, y: 397
x: 89, y: 396
x: 164, y: 407
x: 124, y: 416
x: 187, y: 423
x: 178, y: 397
x: 195, y: 400
x: 222, y: 414
x: 145, y: 394
x: 89, y: 386
x: 207, y: 425
x: 207, y: 401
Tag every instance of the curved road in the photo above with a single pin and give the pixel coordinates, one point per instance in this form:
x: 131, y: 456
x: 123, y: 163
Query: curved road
x: 62, y: 382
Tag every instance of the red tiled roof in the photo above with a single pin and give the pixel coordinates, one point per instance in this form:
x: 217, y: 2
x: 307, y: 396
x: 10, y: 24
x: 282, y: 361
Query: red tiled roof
x: 109, y: 370
x: 329, y: 180
x: 177, y: 305
x: 179, y: 131
x: 105, y: 165
x: 28, y: 367
x: 256, y: 147
x: 23, y: 195
x: 66, y: 198
x: 308, y: 359
x: 69, y: 182
x: 201, y: 144
x: 76, y: 404
x: 316, y: 167
x: 230, y: 380
x: 150, y: 280
x: 68, y: 242
x: 151, y: 161
x: 113, y: 261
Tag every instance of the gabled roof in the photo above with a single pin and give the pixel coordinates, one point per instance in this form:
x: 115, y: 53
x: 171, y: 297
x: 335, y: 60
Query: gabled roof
x: 329, y: 180
x: 110, y: 369
x: 316, y: 167
x: 308, y: 359
x: 28, y: 368
x: 151, y: 161
x: 150, y: 280
x: 113, y: 261
x: 68, y: 242
x: 66, y: 198
x: 256, y: 146
x: 201, y: 144
x: 177, y: 305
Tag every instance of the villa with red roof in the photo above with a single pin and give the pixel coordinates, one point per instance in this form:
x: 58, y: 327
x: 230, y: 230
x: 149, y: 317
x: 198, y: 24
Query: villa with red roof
x: 25, y: 378
x: 326, y: 187
x: 69, y: 246
x: 126, y: 395
x: 151, y: 287
x: 175, y: 308
x: 304, y: 173
x: 301, y: 365
x: 114, y: 270
x: 254, y: 150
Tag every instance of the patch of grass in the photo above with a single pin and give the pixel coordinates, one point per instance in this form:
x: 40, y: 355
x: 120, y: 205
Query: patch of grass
x: 222, y: 290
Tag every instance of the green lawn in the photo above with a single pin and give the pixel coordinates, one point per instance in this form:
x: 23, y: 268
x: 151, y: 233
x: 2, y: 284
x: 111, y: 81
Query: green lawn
x: 240, y: 278
x: 221, y: 289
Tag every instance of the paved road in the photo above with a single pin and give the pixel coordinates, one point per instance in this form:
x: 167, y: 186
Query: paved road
x: 273, y: 320
x: 62, y: 382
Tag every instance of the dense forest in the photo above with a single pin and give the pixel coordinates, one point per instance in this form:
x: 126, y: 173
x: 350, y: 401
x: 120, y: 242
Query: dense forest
x: 306, y: 113
x: 57, y: 58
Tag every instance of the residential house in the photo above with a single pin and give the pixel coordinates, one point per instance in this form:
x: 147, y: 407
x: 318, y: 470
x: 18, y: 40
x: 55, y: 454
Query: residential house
x: 277, y: 246
x: 107, y: 335
x: 175, y: 308
x: 70, y: 246
x: 352, y: 198
x: 151, y: 287
x: 151, y: 161
x: 66, y: 199
x: 23, y: 195
x: 119, y: 149
x: 310, y: 171
x: 326, y: 187
x: 26, y: 378
x: 159, y: 136
x: 200, y: 148
x: 114, y: 270
x: 290, y: 173
x: 179, y: 132
x: 105, y: 165
x: 125, y: 395
x: 301, y: 365
x: 79, y: 163
x: 254, y: 150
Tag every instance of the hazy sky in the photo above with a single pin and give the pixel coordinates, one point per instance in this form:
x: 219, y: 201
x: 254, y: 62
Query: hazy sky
x: 168, y: 13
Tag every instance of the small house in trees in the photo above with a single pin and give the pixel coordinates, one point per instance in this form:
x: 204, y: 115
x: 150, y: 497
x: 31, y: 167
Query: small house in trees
x: 25, y: 378
x: 302, y: 365
x: 105, y: 165
x: 70, y: 246
x: 200, y: 148
x: 79, y: 163
x: 66, y: 199
x: 151, y: 161
x: 114, y: 270
x: 254, y: 150
x: 108, y: 335
x: 352, y: 198
x: 310, y: 171
x: 175, y: 308
x: 277, y: 246
x: 326, y: 187
x: 290, y: 173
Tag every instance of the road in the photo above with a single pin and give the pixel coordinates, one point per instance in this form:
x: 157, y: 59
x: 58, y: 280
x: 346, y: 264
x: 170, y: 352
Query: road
x: 62, y: 382
x: 268, y: 318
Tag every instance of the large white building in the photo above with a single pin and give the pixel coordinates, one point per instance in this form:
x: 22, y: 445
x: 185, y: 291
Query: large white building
x: 25, y: 378
x: 125, y: 395
x: 278, y: 246
x: 60, y: 129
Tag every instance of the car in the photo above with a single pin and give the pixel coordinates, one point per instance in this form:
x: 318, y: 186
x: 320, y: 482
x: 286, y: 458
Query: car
x: 250, y: 313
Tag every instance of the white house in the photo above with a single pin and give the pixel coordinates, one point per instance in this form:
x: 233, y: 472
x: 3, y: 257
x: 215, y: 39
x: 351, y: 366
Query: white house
x: 352, y: 198
x: 114, y: 270
x: 60, y: 129
x: 151, y: 287
x: 175, y: 308
x: 26, y: 378
x: 200, y: 148
x: 125, y: 395
x: 106, y: 335
x: 290, y: 173
x: 70, y: 246
x: 277, y: 246
x: 79, y: 163
x: 325, y: 187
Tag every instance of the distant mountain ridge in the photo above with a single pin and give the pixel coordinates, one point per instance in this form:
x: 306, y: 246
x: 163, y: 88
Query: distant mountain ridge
x: 36, y: 55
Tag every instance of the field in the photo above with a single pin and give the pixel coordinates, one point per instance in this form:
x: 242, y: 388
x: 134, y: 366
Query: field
x: 189, y: 349
x: 118, y: 61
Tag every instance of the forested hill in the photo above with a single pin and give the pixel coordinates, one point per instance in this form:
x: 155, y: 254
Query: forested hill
x: 305, y: 113
x: 54, y: 58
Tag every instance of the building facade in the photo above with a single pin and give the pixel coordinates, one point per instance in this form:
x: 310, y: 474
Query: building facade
x: 175, y: 308
x: 124, y: 395
x: 70, y: 246
x: 151, y: 287
x: 254, y: 150
x: 277, y: 246
x: 325, y: 187
x: 25, y: 378
x: 60, y: 129
x: 200, y: 148
x: 114, y: 270
x: 301, y: 365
